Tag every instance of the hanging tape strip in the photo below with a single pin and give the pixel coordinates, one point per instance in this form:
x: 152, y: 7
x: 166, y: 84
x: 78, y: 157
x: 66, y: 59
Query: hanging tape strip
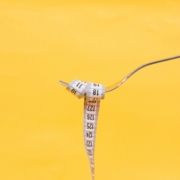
x: 92, y: 94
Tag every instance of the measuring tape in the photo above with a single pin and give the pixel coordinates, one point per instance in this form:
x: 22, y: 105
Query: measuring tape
x: 92, y: 94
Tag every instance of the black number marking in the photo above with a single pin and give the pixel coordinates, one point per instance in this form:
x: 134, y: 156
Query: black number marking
x: 96, y: 92
x: 79, y: 85
x: 91, y: 108
x: 89, y: 143
x: 73, y: 91
x: 89, y: 134
x: 90, y: 116
x: 90, y: 126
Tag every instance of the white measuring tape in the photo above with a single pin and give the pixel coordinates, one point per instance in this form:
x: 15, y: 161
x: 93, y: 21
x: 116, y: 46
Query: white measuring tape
x: 92, y: 94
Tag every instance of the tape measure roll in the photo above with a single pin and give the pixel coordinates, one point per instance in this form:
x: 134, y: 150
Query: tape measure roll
x: 92, y: 94
x: 77, y: 87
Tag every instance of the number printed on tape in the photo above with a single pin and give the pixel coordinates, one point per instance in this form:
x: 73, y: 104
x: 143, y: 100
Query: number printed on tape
x: 92, y: 93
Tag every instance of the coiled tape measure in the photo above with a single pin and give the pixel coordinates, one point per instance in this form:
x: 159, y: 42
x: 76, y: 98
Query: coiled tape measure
x: 93, y: 93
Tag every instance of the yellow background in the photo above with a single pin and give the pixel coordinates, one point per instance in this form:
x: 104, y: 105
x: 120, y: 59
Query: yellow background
x: 41, y: 124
